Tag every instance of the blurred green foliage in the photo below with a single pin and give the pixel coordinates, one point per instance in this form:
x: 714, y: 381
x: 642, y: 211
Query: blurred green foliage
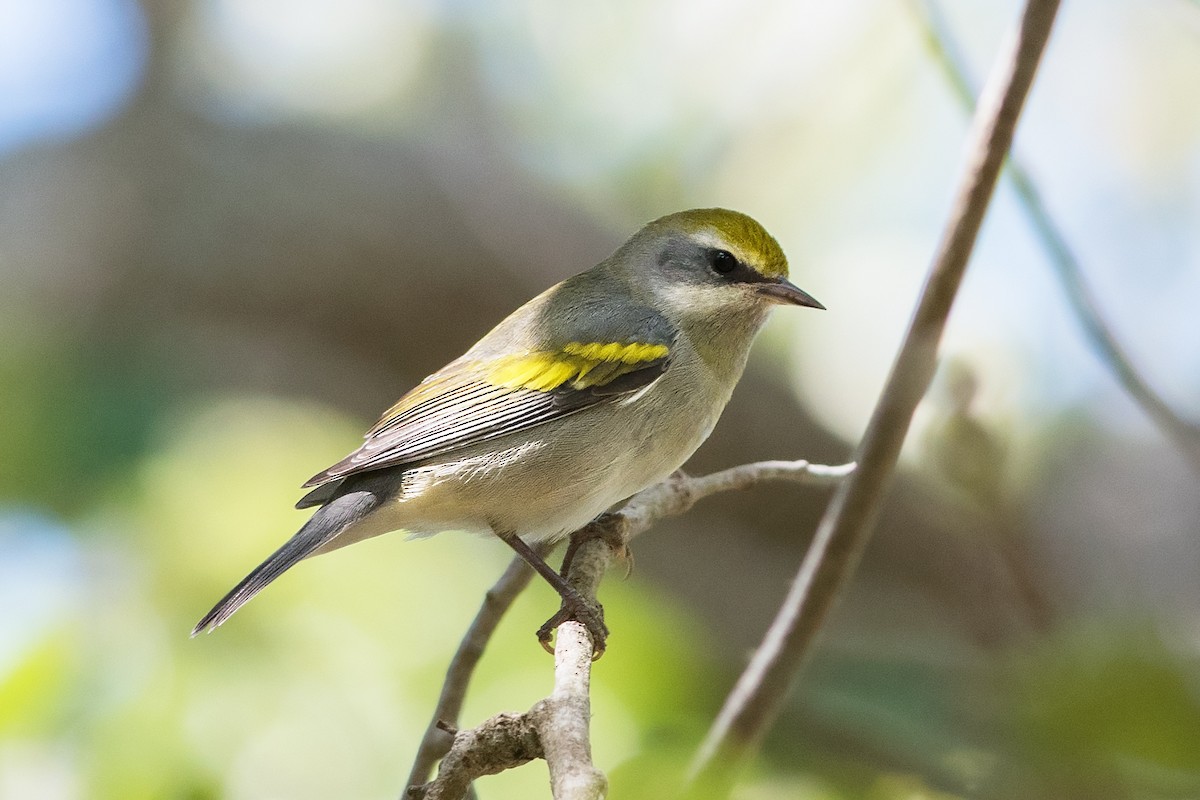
x: 61, y: 394
x: 1111, y: 709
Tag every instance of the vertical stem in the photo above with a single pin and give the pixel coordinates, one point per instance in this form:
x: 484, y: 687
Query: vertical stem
x: 755, y: 701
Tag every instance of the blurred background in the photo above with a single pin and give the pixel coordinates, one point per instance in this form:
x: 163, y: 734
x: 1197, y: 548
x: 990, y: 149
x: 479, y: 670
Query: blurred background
x: 233, y: 231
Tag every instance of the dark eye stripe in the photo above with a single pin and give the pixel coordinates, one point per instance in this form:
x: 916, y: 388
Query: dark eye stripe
x: 726, y: 265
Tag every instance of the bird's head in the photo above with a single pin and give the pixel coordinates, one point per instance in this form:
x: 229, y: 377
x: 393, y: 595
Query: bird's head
x: 711, y: 263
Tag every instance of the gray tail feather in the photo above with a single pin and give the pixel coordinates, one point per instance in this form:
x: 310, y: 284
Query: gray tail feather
x: 321, y: 528
x: 320, y: 495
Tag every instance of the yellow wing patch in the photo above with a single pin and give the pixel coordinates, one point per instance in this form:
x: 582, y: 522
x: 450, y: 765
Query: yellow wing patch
x: 581, y: 364
x: 625, y: 353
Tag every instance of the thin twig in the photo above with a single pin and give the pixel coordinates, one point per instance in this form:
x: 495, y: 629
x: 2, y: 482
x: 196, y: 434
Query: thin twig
x: 1185, y: 435
x: 436, y: 742
x: 755, y: 701
x: 677, y: 494
x: 671, y: 497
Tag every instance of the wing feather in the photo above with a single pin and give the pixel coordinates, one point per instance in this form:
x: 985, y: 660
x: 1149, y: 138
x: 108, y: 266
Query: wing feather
x: 470, y: 402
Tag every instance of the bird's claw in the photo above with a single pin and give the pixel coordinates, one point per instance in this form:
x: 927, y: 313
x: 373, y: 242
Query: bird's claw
x: 586, y: 614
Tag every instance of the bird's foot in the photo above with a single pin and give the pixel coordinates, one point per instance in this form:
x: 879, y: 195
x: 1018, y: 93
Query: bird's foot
x: 612, y: 529
x: 577, y: 609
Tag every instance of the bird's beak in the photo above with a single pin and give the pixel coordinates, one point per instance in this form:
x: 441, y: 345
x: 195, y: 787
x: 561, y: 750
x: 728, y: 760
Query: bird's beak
x: 781, y: 290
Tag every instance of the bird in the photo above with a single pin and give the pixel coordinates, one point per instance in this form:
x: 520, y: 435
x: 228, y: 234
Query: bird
x: 595, y: 389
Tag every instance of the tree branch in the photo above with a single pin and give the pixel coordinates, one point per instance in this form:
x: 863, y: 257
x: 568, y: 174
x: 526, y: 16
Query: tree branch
x: 1183, y: 434
x: 563, y: 720
x: 500, y: 743
x: 559, y: 723
x: 437, y: 740
x: 843, y: 532
x: 556, y: 728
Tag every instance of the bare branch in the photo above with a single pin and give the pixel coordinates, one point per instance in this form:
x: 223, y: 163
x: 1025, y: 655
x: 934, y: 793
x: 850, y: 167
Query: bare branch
x: 557, y: 728
x: 568, y: 708
x: 1183, y: 434
x: 755, y: 701
x: 436, y: 742
x: 677, y: 494
x: 500, y: 743
x: 563, y: 719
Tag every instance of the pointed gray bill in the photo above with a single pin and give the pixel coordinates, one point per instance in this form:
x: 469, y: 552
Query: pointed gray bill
x: 782, y: 290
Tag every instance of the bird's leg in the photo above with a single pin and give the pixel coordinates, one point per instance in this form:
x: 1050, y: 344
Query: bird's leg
x: 573, y: 545
x: 573, y: 542
x: 608, y: 528
x: 574, y: 605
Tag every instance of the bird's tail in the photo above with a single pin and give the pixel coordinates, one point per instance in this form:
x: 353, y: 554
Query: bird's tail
x: 321, y: 528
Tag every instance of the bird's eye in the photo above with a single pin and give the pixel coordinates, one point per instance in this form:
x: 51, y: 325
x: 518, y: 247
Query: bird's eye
x: 722, y: 262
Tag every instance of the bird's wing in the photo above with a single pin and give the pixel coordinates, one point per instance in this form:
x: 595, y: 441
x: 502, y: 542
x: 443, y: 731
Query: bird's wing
x: 474, y: 400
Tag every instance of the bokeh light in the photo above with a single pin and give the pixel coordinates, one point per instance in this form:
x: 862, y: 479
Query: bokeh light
x: 66, y: 66
x: 262, y: 59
